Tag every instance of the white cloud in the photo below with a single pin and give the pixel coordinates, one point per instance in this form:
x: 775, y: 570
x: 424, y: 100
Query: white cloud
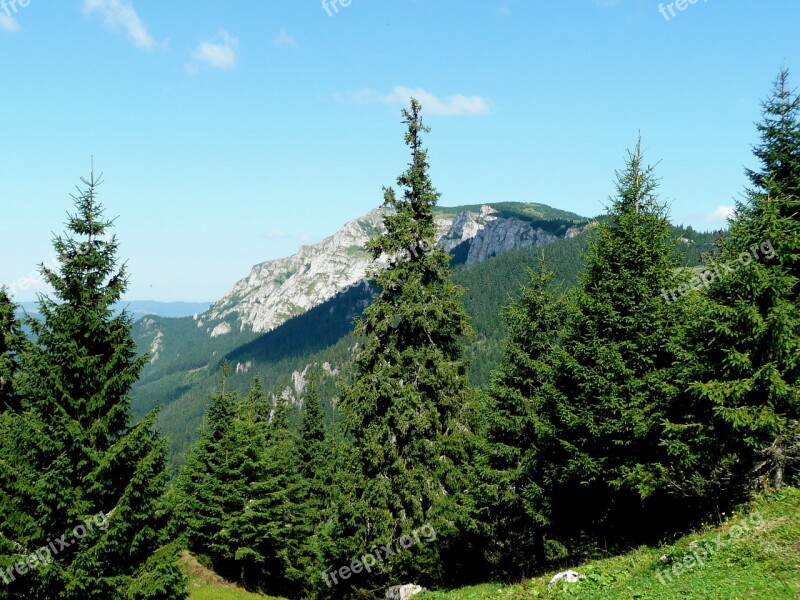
x: 721, y: 214
x: 222, y: 53
x: 277, y: 235
x: 8, y: 23
x: 455, y: 105
x: 284, y: 39
x: 121, y: 14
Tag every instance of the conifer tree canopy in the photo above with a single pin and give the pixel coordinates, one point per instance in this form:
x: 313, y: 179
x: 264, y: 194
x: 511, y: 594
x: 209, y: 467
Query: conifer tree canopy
x: 743, y: 376
x: 82, y: 459
x: 406, y: 407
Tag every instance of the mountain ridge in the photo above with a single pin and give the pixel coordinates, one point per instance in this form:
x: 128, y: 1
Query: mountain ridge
x: 279, y: 289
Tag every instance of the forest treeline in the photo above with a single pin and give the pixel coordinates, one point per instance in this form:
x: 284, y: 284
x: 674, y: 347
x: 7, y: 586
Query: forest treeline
x: 618, y: 414
x: 186, y: 373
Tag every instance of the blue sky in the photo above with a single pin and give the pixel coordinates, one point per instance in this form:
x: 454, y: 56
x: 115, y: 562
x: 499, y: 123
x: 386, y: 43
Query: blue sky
x: 231, y: 133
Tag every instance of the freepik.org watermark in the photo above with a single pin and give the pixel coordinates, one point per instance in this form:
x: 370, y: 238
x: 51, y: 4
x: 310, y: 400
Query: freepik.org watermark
x: 45, y: 554
x: 11, y: 7
x: 707, y: 277
x: 368, y: 561
x: 681, y: 5
x: 701, y: 551
x: 332, y: 6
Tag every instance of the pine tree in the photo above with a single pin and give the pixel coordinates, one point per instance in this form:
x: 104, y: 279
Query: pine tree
x: 209, y: 484
x: 740, y: 423
x: 779, y: 150
x: 249, y: 435
x: 89, y: 474
x: 11, y: 341
x: 603, y: 422
x: 313, y: 435
x: 406, y: 406
x: 16, y: 479
x: 316, y: 468
x: 273, y: 513
x: 240, y: 492
x: 510, y: 472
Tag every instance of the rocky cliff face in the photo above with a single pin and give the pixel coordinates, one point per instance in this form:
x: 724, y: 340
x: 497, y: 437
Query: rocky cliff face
x: 279, y: 289
x: 502, y: 235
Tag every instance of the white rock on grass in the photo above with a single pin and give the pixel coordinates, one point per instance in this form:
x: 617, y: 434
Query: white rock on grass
x: 403, y: 592
x: 569, y: 576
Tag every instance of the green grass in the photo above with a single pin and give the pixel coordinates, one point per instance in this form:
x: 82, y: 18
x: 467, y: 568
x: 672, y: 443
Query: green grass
x: 762, y: 563
x: 214, y: 592
x: 206, y: 585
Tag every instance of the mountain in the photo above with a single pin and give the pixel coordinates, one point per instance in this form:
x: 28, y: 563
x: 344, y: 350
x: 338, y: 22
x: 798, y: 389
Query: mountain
x: 297, y: 312
x: 278, y: 290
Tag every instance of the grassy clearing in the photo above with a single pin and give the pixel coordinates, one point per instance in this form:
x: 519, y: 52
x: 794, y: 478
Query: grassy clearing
x: 730, y: 561
x: 207, y: 585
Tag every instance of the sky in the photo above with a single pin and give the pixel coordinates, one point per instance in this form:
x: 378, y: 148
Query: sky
x: 230, y: 133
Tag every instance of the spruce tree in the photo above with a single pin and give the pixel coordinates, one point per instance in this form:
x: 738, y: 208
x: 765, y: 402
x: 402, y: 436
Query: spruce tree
x: 509, y: 472
x: 406, y: 407
x: 272, y: 516
x: 240, y: 493
x: 779, y: 148
x: 742, y: 406
x: 248, y: 435
x: 16, y: 477
x: 614, y: 386
x: 11, y: 340
x: 316, y: 468
x: 17, y: 507
x: 89, y: 473
x: 209, y: 484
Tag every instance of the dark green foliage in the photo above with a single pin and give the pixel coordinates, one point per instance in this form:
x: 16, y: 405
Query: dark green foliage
x: 740, y: 420
x: 273, y: 515
x: 509, y: 473
x: 601, y: 427
x: 240, y: 490
x: 78, y: 457
x: 211, y: 485
x: 11, y: 342
x: 316, y: 454
x: 406, y: 406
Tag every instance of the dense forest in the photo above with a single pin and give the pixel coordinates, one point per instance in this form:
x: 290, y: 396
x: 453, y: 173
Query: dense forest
x: 189, y: 366
x: 638, y: 380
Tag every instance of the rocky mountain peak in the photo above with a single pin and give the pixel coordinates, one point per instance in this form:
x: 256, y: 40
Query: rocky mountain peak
x: 279, y: 289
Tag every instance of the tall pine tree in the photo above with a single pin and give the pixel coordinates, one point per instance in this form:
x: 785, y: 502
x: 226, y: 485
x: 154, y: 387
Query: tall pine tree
x: 84, y: 458
x: 16, y: 477
x: 742, y: 406
x: 509, y: 473
x: 407, y: 403
x: 210, y: 491
x: 272, y: 516
x: 317, y: 470
x: 614, y: 383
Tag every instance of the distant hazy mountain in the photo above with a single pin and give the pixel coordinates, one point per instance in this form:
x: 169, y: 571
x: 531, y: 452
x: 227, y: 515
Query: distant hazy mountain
x: 143, y: 308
